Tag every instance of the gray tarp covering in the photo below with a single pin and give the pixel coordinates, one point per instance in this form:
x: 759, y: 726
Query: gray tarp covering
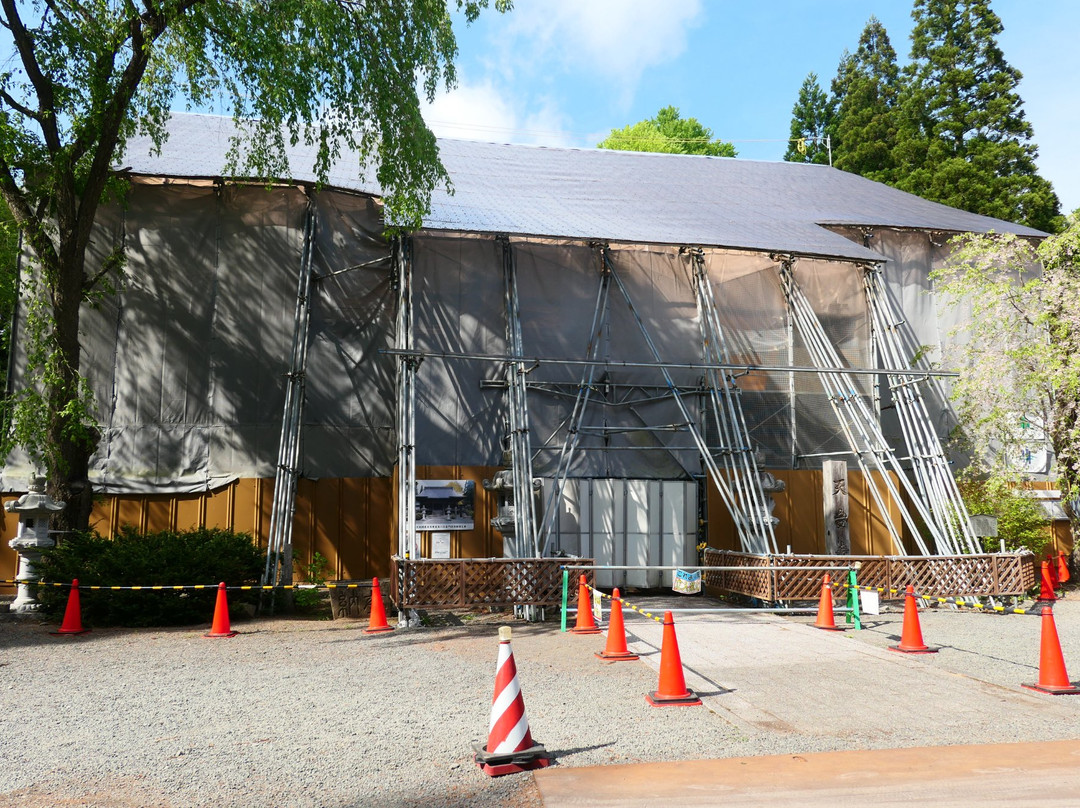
x: 188, y: 361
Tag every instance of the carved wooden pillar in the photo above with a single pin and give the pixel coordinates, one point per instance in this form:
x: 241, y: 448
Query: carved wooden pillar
x: 835, y: 498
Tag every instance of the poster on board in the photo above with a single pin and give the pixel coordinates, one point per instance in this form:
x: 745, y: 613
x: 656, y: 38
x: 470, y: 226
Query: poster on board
x: 444, y: 504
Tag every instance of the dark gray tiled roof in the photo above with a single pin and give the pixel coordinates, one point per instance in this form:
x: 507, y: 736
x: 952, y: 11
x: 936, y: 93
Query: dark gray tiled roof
x: 612, y: 195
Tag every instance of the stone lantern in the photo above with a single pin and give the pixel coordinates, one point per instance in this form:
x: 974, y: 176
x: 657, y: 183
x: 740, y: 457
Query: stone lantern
x: 34, y: 509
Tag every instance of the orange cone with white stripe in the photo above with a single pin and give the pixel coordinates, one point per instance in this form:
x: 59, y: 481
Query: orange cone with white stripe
x: 220, y: 627
x: 911, y: 641
x: 616, y: 650
x: 377, y: 621
x: 672, y: 690
x: 586, y: 623
x: 72, y: 623
x: 510, y: 747
x: 1053, y: 677
x: 825, y: 617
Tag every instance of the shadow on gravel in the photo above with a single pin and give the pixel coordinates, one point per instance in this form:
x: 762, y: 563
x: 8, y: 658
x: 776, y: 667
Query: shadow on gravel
x: 424, y: 635
x: 559, y: 754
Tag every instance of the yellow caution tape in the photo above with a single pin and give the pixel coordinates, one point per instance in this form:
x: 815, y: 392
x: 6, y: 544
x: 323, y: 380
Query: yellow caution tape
x: 630, y: 606
x: 99, y: 587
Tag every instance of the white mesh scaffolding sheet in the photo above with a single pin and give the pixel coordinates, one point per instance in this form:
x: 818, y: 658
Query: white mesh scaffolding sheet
x: 857, y: 421
x: 929, y: 465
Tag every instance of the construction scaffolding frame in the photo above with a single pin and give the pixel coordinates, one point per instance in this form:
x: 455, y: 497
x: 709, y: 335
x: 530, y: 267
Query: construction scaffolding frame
x: 279, y: 552
x: 861, y: 428
x: 930, y: 467
x: 581, y: 402
x: 525, y: 537
x: 747, y: 503
x: 736, y: 443
x: 407, y: 368
x: 729, y: 459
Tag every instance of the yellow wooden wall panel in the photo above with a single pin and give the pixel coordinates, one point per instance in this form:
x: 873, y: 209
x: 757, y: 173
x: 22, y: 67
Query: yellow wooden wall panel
x: 326, y: 538
x: 8, y: 531
x: 219, y: 508
x: 159, y: 514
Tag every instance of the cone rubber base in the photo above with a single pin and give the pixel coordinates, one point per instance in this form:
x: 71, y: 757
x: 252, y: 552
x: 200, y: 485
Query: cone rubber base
x: 689, y: 700
x: 829, y: 628
x: 496, y: 765
x: 616, y: 657
x: 378, y: 630
x: 1071, y: 690
x: 924, y: 650
x: 67, y: 632
x: 220, y: 634
x: 584, y: 631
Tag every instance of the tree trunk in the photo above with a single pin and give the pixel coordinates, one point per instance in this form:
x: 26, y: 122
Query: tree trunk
x: 70, y: 442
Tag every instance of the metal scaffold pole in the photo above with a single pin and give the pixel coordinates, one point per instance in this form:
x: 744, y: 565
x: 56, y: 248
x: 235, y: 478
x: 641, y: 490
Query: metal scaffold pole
x: 857, y: 422
x: 525, y: 538
x: 577, y: 415
x: 750, y: 511
x: 930, y: 467
x: 408, y: 367
x: 691, y: 424
x: 279, y: 560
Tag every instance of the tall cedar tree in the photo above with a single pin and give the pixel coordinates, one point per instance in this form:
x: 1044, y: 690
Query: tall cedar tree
x: 668, y: 133
x: 83, y: 76
x: 964, y: 140
x: 865, y: 94
x: 811, y: 122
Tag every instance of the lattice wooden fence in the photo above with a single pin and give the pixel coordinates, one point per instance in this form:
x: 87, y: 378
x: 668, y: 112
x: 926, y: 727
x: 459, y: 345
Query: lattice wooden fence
x: 467, y: 582
x: 764, y: 577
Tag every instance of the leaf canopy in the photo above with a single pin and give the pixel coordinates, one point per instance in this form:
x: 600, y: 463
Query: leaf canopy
x: 668, y: 133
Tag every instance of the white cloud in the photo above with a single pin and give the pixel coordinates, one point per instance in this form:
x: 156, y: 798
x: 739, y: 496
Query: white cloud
x: 470, y: 112
x: 615, y: 39
x: 483, y: 112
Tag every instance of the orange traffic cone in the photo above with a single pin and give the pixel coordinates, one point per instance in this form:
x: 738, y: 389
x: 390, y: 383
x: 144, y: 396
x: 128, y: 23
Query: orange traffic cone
x: 911, y: 641
x: 586, y: 624
x: 1046, y: 585
x: 671, y: 691
x: 377, y: 622
x: 510, y: 747
x: 72, y: 623
x: 616, y: 650
x: 220, y: 626
x: 1052, y: 564
x: 1063, y: 568
x: 1053, y: 678
x: 825, y: 618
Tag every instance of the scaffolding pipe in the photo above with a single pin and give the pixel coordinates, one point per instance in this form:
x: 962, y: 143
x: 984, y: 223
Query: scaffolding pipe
x: 844, y: 400
x: 408, y: 367
x: 278, y: 568
x: 581, y: 402
x: 525, y: 538
x: 927, y: 455
x: 703, y: 449
x: 728, y: 416
x: 536, y: 361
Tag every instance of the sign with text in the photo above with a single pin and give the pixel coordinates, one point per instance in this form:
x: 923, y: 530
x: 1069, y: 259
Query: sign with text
x: 444, y: 504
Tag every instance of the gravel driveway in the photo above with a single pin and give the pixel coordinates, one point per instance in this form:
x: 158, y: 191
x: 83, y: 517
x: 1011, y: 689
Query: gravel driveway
x: 309, y: 713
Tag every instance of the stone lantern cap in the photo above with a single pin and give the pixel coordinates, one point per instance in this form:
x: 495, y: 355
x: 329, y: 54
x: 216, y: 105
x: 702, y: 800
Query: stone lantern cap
x: 35, y: 501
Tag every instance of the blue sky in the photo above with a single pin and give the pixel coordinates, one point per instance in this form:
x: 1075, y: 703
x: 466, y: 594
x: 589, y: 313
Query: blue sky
x: 565, y: 72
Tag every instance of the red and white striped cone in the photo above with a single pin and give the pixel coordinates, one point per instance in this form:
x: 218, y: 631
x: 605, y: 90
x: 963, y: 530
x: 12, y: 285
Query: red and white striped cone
x: 510, y: 747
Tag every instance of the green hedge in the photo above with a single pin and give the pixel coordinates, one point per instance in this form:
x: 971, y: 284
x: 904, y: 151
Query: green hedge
x: 166, y: 558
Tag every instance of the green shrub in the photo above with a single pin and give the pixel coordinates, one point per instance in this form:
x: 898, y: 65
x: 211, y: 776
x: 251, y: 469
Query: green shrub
x: 1021, y: 522
x: 311, y: 600
x: 166, y: 558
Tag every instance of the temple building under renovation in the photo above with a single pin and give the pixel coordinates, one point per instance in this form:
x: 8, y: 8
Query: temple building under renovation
x: 589, y: 352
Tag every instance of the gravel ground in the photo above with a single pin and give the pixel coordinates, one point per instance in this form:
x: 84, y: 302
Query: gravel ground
x: 309, y: 713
